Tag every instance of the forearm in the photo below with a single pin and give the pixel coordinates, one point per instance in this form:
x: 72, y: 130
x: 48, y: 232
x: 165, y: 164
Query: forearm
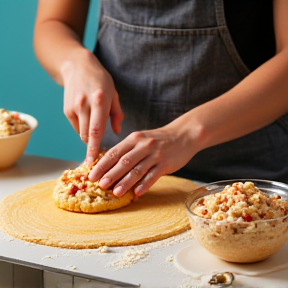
x: 255, y: 102
x: 55, y: 43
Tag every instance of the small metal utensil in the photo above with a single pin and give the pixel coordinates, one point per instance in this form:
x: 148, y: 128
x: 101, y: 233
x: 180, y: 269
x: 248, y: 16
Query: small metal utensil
x: 224, y: 279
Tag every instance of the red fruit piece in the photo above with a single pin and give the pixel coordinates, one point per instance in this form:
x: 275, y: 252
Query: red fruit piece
x: 205, y: 212
x: 74, y: 188
x: 16, y: 116
x: 262, y: 215
x: 247, y: 218
x: 85, y: 177
x: 201, y: 202
x: 77, y: 177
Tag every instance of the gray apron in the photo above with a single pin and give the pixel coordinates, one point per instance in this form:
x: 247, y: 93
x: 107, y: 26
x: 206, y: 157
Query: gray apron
x: 166, y: 58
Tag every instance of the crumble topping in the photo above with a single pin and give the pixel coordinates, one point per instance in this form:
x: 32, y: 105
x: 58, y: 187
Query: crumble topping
x: 11, y: 123
x: 241, y: 202
x: 78, y: 184
x: 75, y: 192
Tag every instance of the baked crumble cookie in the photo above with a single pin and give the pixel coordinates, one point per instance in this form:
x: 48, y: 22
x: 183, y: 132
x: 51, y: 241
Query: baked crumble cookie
x: 74, y: 192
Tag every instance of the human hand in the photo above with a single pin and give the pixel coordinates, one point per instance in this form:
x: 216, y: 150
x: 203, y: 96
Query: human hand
x: 142, y: 158
x: 89, y: 99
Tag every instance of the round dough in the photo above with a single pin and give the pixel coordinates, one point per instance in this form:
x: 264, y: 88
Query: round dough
x: 32, y: 216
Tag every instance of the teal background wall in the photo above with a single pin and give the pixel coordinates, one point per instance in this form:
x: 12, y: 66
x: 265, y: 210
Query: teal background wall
x: 26, y: 87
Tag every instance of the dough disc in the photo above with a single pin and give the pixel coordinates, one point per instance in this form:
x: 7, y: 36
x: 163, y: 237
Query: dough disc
x: 32, y: 216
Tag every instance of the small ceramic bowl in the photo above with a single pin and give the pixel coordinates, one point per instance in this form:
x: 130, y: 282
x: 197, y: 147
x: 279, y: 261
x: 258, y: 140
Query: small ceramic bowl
x: 13, y: 146
x: 240, y: 242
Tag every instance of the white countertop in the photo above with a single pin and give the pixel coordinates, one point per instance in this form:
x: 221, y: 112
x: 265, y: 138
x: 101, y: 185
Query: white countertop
x: 155, y: 270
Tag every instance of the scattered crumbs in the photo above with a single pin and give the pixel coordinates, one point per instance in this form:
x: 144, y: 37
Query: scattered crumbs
x: 131, y: 256
x: 134, y: 255
x: 87, y: 254
x: 169, y: 258
x: 127, y: 258
x: 103, y: 249
x: 29, y: 244
x: 5, y: 236
x: 190, y: 282
x: 183, y: 237
x: 74, y: 253
x: 47, y: 257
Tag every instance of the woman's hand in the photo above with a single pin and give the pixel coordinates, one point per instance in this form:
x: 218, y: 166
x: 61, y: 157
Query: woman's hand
x: 142, y: 158
x: 89, y: 99
x: 89, y: 93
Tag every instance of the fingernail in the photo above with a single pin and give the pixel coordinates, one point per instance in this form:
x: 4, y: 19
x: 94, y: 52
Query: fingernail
x: 104, y: 182
x: 89, y: 160
x: 138, y: 191
x: 92, y: 178
x: 118, y: 191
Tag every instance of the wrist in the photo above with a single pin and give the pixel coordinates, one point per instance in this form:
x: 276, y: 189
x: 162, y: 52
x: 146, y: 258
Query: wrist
x: 191, y: 132
x: 75, y: 60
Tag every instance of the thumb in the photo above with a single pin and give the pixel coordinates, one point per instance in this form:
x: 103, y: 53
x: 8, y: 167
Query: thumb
x: 116, y: 114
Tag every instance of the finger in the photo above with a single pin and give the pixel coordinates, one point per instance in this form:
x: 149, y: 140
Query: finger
x: 84, y: 122
x: 116, y: 114
x: 149, y: 179
x: 123, y: 167
x: 134, y: 175
x: 111, y: 157
x: 72, y: 117
x: 98, y: 119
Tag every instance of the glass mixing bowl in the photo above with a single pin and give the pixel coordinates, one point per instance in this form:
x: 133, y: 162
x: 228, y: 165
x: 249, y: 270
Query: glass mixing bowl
x: 241, y: 242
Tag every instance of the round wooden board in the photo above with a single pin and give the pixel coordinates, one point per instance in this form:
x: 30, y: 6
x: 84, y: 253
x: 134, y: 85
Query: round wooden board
x: 32, y: 216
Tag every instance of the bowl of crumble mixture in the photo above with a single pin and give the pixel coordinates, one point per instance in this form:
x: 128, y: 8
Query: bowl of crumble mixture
x: 240, y: 220
x: 15, y: 131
